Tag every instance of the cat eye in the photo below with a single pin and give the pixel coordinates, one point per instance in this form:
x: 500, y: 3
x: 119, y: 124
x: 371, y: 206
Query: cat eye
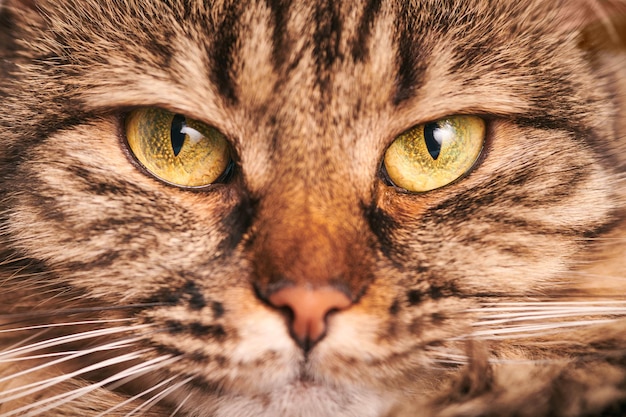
x: 176, y: 149
x: 432, y: 155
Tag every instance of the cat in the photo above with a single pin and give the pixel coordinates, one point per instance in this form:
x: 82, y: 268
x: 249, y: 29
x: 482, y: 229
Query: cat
x: 306, y: 208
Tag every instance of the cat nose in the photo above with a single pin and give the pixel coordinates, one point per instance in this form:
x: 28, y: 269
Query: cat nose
x: 309, y: 308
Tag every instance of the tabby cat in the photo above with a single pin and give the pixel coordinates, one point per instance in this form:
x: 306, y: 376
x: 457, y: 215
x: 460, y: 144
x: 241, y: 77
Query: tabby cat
x: 286, y: 208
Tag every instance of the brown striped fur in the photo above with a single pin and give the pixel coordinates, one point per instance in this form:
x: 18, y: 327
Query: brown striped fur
x: 447, y: 285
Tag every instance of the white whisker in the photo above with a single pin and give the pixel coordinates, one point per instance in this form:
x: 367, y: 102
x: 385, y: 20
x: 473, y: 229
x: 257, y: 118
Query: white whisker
x: 448, y: 356
x: 529, y: 361
x: 120, y: 344
x: 71, y: 338
x: 40, y: 407
x: 505, y: 305
x: 181, y: 404
x: 534, y: 316
x: 46, y: 383
x: 54, y: 325
x: 24, y: 342
x: 515, y: 319
x: 158, y: 397
x: 42, y: 356
x: 141, y: 394
x: 524, y: 331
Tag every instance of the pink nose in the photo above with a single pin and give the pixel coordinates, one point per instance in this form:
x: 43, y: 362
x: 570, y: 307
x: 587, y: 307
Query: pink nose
x: 310, y: 307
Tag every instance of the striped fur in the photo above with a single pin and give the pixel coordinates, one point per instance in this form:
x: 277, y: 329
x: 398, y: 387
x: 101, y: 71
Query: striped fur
x: 500, y: 294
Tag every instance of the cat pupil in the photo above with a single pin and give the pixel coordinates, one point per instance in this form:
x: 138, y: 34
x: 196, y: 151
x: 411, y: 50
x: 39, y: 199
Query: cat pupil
x: 433, y: 141
x: 176, y: 134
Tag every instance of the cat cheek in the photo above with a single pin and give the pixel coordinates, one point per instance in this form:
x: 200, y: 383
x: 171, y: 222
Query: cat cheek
x: 103, y: 216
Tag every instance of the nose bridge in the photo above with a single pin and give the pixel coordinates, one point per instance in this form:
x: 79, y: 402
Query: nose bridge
x: 305, y: 236
x: 308, y: 237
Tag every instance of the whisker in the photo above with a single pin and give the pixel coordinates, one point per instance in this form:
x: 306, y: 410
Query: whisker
x: 552, y: 361
x: 524, y: 331
x: 158, y: 397
x: 42, y: 356
x: 71, y: 338
x: 108, y: 347
x: 534, y: 316
x: 543, y: 304
x: 135, y: 397
x: 74, y: 323
x: 134, y: 371
x: 181, y: 404
x: 46, y: 383
x: 39, y: 407
x: 499, y: 318
x: 25, y: 341
x: 56, y: 380
x: 19, y: 317
x: 502, y: 313
x: 448, y: 356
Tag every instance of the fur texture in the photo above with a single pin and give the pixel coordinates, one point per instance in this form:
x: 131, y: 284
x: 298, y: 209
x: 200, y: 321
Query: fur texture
x: 500, y: 294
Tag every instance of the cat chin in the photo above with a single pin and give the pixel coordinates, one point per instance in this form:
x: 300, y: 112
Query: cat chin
x: 300, y: 399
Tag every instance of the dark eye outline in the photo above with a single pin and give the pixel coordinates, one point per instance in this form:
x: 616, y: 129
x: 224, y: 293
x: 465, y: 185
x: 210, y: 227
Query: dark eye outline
x: 384, y: 177
x: 227, y: 177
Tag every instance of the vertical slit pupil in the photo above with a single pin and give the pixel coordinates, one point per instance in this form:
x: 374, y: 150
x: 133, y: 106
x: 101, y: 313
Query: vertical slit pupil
x: 432, y: 144
x: 176, y: 134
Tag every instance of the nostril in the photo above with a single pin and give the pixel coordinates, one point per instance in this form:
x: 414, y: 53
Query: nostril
x: 308, y: 309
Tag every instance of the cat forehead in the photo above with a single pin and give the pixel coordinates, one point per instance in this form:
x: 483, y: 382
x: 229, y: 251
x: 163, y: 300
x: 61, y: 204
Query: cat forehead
x: 270, y: 51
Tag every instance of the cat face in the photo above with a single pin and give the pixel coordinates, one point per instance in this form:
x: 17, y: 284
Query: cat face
x: 302, y: 277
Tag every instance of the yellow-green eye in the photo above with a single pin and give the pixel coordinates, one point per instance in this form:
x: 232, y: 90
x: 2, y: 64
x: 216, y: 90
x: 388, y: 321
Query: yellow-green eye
x: 176, y: 149
x: 435, y: 154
